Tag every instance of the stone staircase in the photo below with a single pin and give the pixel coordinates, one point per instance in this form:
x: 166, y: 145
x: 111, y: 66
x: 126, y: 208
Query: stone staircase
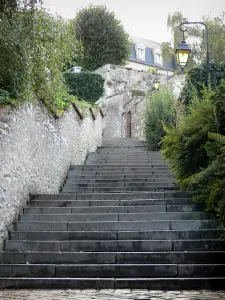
x: 119, y: 222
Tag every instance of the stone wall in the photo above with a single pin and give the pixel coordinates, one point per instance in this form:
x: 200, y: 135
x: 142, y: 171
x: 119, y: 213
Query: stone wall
x: 120, y: 83
x: 36, y: 151
x: 134, y: 116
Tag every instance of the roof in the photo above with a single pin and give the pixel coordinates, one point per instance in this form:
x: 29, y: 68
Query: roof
x: 145, y: 42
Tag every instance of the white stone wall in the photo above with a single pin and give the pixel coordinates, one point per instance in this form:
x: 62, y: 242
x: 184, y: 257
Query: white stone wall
x: 137, y: 108
x: 119, y: 79
x: 36, y: 151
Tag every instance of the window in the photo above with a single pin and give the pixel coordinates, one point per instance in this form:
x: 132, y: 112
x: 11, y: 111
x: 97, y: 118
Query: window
x: 158, y: 57
x: 140, y: 52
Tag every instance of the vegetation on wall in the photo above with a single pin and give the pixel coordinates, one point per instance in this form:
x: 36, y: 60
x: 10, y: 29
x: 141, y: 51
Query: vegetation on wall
x: 103, y: 37
x: 160, y: 109
x: 85, y: 85
x: 35, y: 47
x: 195, y: 148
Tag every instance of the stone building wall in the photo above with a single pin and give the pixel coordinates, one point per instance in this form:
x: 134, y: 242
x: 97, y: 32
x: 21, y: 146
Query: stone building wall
x: 120, y: 83
x: 133, y: 117
x: 36, y: 151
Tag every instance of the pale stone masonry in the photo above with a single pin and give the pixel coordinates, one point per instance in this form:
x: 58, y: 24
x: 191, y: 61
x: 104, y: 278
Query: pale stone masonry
x: 109, y: 294
x: 36, y: 151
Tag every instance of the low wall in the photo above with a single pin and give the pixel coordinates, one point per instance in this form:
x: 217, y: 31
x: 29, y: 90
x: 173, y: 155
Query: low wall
x: 36, y: 151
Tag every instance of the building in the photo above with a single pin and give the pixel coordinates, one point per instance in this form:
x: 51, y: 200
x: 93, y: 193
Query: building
x: 148, y: 54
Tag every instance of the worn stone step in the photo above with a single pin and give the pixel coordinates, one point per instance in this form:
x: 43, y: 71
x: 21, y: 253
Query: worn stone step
x: 197, y: 270
x: 58, y: 257
x: 116, y: 270
x: 194, y: 257
x: 124, y: 177
x: 72, y: 217
x: 97, y: 203
x: 97, y: 209
x: 111, y: 209
x: 27, y: 270
x: 111, y: 270
x: 120, y: 184
x: 120, y: 235
x: 202, y: 283
x: 194, y: 283
x: 62, y: 235
x: 115, y: 189
x: 93, y: 246
x: 172, y: 234
x: 118, y: 167
x: 124, y: 171
x: 117, y: 225
x: 105, y: 225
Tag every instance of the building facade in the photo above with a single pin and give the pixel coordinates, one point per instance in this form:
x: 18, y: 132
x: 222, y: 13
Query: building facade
x: 147, y: 54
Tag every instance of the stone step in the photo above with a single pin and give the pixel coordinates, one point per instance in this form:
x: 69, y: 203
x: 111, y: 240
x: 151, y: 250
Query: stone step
x: 121, y: 177
x: 120, y: 184
x: 194, y: 257
x: 118, y: 166
x: 115, y: 245
x: 114, y: 235
x: 123, y: 180
x: 111, y: 209
x: 117, y: 225
x: 75, y: 189
x: 88, y: 245
x: 124, y: 171
x: 97, y: 203
x: 115, y: 217
x: 111, y: 270
x: 165, y: 283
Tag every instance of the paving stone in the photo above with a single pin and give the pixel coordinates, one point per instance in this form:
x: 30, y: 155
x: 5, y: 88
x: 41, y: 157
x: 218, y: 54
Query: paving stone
x: 123, y: 294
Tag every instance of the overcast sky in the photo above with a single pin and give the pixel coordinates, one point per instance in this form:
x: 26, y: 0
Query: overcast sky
x: 144, y: 18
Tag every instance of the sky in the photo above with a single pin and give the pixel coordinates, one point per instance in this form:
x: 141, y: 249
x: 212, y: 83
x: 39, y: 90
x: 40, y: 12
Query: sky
x: 143, y: 18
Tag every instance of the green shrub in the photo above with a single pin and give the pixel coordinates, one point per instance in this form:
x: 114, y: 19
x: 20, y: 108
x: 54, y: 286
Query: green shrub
x: 160, y: 109
x: 195, y: 149
x: 198, y: 78
x: 85, y: 85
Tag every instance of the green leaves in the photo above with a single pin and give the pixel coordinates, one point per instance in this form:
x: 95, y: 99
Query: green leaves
x: 35, y: 48
x: 160, y: 109
x: 195, y: 149
x: 85, y: 85
x: 102, y: 36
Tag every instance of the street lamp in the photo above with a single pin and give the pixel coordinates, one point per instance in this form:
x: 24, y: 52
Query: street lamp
x: 182, y: 53
x: 156, y: 82
x: 183, y: 50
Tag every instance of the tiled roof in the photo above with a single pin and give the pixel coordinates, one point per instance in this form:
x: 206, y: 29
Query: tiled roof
x: 147, y: 43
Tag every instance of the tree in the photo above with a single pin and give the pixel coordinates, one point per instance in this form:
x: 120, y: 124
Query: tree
x: 195, y: 36
x: 103, y: 37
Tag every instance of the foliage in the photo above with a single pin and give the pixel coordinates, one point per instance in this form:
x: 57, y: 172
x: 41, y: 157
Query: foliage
x: 195, y: 36
x: 103, y: 37
x: 195, y: 149
x: 85, y: 85
x: 35, y: 47
x: 138, y: 93
x: 198, y: 78
x: 160, y: 109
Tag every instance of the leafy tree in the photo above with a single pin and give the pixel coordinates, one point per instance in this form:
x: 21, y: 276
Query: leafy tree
x: 103, y: 37
x: 195, y: 36
x: 35, y: 47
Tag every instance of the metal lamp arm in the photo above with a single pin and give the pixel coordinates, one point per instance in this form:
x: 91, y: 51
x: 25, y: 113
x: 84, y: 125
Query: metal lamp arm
x: 207, y: 36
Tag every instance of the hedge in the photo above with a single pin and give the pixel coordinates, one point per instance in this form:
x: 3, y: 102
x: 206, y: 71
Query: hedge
x: 87, y: 86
